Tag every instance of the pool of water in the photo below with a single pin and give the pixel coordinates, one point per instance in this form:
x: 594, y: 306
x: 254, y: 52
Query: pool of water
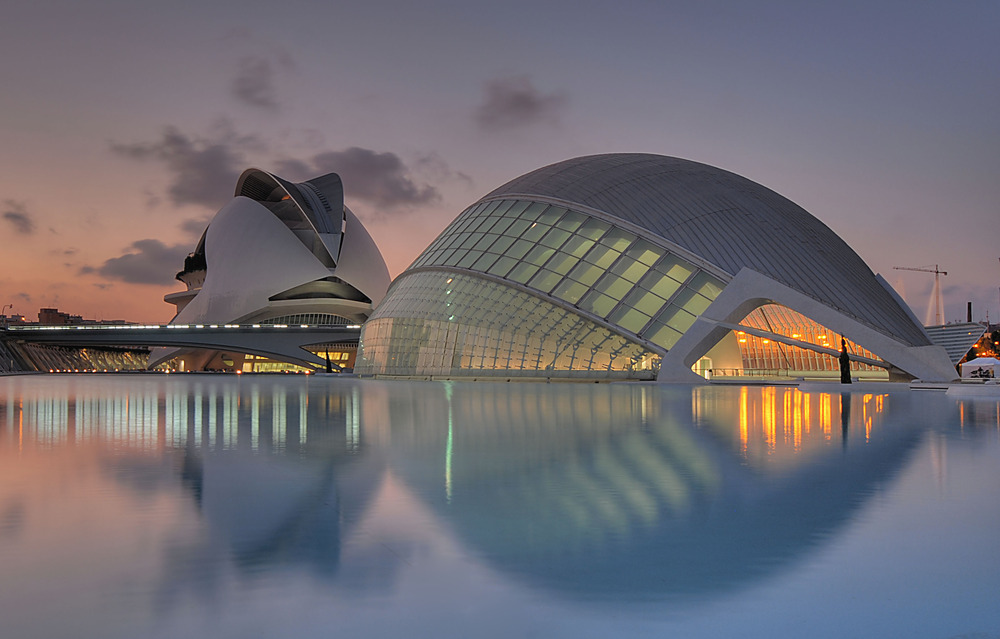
x: 281, y: 506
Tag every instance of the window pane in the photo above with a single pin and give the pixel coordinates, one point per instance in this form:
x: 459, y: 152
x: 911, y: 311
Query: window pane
x: 586, y: 273
x: 707, y: 285
x: 597, y: 303
x: 570, y: 291
x: 561, y: 263
x: 571, y: 221
x: 618, y: 239
x: 602, y: 256
x: 533, y: 211
x: 501, y: 245
x: 484, y: 262
x: 517, y: 208
x: 469, y: 259
x: 632, y: 271
x: 485, y: 242
x: 648, y: 303
x: 545, y: 280
x: 629, y: 318
x: 663, y: 336
x: 614, y: 286
x: 522, y: 273
x: 643, y: 251
x: 577, y: 246
x: 675, y: 267
x: 539, y: 255
x: 502, y: 266
x: 535, y: 232
x: 555, y: 238
x: 551, y: 215
x: 517, y: 227
x: 519, y: 249
x: 593, y: 229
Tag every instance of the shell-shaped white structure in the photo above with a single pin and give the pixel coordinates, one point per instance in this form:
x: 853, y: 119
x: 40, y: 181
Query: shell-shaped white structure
x: 638, y: 266
x: 281, y: 252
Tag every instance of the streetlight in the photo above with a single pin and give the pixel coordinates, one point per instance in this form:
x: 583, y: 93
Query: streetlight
x: 4, y: 313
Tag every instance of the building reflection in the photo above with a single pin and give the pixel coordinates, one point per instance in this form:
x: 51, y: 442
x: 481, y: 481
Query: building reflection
x: 608, y: 491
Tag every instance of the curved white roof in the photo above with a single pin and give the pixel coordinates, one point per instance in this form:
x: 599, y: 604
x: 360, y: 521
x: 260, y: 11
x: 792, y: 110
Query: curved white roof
x: 729, y: 221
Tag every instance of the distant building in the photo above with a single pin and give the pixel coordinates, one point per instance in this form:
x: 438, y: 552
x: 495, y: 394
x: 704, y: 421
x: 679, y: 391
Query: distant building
x: 636, y: 266
x: 279, y: 253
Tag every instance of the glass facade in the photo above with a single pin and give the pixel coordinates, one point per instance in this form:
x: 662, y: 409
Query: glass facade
x: 762, y: 354
x: 648, y: 293
x: 445, y: 324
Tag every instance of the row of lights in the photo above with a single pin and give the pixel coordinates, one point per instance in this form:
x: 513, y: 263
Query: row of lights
x: 158, y: 326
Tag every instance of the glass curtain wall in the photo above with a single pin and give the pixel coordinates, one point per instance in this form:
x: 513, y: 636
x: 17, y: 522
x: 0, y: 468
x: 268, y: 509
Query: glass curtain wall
x: 598, y: 271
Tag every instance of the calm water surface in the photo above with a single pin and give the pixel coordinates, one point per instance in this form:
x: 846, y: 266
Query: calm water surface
x: 223, y: 506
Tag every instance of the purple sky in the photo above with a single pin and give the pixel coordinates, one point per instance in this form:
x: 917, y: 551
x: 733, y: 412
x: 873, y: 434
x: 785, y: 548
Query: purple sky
x: 123, y: 125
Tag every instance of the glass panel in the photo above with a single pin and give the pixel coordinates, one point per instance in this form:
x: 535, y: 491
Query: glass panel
x: 502, y: 266
x: 593, y: 229
x: 519, y: 249
x: 517, y: 208
x: 645, y: 252
x: 618, y: 239
x: 555, y: 238
x: 571, y: 221
x: 489, y: 208
x: 502, y: 207
x: 602, y: 256
x: 551, y: 215
x: 517, y: 227
x: 632, y: 271
x: 469, y: 259
x: 707, y: 285
x: 471, y: 240
x: 539, y: 255
x: 614, y: 286
x: 561, y: 263
x: 533, y: 211
x: 629, y: 318
x: 675, y: 267
x: 663, y: 336
x: 501, y: 245
x: 586, y: 273
x: 484, y: 262
x: 597, y: 303
x: 677, y: 318
x: 545, y: 280
x: 648, y: 303
x: 577, y: 246
x: 692, y: 302
x: 535, y: 232
x: 523, y: 272
x: 453, y: 259
x: 570, y: 291
x: 486, y: 241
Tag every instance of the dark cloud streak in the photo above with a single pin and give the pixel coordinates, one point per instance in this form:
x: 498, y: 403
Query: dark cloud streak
x: 514, y: 102
x: 204, y: 169
x: 254, y: 84
x: 16, y: 213
x: 146, y: 262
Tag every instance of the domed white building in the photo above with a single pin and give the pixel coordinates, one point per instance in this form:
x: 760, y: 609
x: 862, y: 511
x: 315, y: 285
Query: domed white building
x: 637, y: 266
x: 278, y: 253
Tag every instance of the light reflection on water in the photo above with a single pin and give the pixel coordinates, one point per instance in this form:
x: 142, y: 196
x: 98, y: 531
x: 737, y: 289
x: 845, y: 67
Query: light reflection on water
x: 275, y: 506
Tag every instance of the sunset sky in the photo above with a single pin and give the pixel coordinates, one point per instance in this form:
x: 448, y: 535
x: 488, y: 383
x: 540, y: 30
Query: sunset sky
x: 124, y: 125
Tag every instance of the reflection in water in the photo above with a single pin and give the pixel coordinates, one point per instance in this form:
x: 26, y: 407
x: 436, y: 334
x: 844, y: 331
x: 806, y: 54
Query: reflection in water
x: 616, y: 492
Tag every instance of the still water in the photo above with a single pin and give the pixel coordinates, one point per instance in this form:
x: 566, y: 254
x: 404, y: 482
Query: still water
x: 224, y: 506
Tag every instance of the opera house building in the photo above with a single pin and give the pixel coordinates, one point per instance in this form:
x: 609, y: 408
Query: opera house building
x: 279, y: 253
x: 620, y: 266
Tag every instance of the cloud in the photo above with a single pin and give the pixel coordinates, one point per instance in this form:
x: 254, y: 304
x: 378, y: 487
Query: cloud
x: 514, y: 102
x: 146, y: 262
x: 195, y: 226
x: 16, y: 213
x: 380, y: 179
x: 204, y: 169
x: 254, y: 83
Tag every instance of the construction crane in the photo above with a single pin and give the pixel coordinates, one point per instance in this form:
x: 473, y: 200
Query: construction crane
x: 935, y: 310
